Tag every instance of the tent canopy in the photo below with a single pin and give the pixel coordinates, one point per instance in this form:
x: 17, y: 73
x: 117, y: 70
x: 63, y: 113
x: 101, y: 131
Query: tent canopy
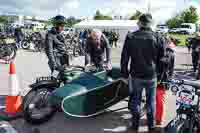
x: 107, y: 24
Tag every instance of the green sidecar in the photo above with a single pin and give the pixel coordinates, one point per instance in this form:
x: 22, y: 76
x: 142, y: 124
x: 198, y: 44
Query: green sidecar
x: 78, y: 94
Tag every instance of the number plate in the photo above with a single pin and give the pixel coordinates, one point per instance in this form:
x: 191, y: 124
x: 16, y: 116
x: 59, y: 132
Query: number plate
x: 45, y: 79
x: 185, y: 99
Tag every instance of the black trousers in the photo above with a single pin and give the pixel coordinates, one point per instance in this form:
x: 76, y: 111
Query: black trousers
x: 195, y: 58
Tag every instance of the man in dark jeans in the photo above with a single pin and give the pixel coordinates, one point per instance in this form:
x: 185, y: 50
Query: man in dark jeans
x: 145, y: 49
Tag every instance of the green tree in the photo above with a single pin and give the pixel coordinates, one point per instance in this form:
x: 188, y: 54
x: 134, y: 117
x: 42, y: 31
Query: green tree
x: 50, y: 21
x: 136, y: 15
x: 174, y: 22
x: 72, y: 21
x: 34, y: 18
x: 99, y: 16
x: 3, y: 19
x: 190, y: 15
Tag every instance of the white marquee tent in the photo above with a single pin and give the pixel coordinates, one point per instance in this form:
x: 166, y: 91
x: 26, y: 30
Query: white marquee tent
x: 107, y: 24
x: 120, y: 26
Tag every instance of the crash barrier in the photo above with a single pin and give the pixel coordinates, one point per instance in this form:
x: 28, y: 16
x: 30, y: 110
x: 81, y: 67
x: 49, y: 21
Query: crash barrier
x: 12, y: 103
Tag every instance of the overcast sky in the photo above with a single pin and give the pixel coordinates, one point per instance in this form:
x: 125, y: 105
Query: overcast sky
x: 162, y: 9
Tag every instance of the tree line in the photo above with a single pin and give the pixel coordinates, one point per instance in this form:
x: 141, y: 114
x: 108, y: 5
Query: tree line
x: 189, y: 15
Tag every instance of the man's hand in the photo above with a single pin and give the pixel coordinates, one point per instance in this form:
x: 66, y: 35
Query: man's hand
x: 87, y: 65
x: 108, y: 66
x: 60, y: 68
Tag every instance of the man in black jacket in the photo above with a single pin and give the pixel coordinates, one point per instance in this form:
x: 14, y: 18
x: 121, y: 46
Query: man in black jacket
x: 195, y: 44
x: 55, y: 45
x: 96, y: 46
x: 145, y: 49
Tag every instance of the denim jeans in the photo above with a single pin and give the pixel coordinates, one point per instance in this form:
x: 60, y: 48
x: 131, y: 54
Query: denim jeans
x: 136, y: 88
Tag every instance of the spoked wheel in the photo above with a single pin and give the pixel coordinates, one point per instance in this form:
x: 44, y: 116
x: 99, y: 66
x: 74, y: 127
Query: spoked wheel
x: 36, y: 107
x: 25, y: 45
x: 9, y: 54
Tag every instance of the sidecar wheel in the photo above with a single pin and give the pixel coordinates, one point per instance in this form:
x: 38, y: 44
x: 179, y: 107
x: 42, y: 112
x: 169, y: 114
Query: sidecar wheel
x: 36, y: 101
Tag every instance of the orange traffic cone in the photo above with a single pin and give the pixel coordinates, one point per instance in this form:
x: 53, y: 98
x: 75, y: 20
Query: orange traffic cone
x: 13, y: 101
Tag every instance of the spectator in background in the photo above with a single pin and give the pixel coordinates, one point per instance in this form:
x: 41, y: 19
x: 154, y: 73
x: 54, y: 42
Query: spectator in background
x: 110, y: 38
x: 167, y: 65
x: 195, y: 45
x: 115, y: 39
x: 19, y: 36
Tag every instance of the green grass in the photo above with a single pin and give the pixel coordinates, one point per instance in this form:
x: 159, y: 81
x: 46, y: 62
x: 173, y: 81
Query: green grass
x: 182, y: 38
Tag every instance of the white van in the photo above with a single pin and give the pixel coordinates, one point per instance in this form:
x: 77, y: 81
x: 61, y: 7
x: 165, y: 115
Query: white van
x: 187, y: 28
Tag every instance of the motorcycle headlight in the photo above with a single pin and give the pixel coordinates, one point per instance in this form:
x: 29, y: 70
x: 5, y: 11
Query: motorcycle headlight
x: 174, y: 89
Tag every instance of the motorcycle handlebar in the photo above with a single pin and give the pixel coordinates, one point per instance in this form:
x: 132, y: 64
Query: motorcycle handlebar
x: 184, y: 82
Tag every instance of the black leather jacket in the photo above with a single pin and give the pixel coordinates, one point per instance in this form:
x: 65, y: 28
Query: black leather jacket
x: 145, y: 49
x: 195, y: 42
x: 55, y: 48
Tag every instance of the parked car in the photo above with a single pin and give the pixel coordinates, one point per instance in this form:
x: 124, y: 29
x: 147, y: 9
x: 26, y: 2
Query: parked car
x: 185, y: 28
x: 174, y: 30
x: 162, y: 29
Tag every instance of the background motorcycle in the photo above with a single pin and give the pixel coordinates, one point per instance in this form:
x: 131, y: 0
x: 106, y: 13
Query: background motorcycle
x: 8, y: 52
x: 187, y: 119
x: 26, y: 41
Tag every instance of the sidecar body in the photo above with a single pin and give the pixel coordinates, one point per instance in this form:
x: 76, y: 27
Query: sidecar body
x: 88, y: 94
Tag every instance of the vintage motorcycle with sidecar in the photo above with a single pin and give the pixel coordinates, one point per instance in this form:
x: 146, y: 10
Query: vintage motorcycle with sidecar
x: 77, y: 91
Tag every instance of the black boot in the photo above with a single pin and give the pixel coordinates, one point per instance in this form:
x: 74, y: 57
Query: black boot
x: 152, y: 130
x: 135, y: 122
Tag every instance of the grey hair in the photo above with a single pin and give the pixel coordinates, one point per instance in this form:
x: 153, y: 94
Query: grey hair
x: 97, y: 32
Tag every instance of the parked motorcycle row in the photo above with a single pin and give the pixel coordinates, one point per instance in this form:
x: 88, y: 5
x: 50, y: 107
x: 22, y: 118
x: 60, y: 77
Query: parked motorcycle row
x: 35, y: 39
x: 72, y: 41
x: 75, y: 45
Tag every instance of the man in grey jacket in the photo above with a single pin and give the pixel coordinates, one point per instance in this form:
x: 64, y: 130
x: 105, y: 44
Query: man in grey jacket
x: 96, y: 46
x: 55, y: 45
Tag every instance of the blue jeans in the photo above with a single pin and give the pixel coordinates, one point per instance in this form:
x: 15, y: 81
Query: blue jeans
x: 136, y: 87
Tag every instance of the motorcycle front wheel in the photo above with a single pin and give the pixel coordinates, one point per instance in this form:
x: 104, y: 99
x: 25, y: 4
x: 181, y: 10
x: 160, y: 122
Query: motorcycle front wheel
x: 25, y: 45
x: 36, y: 107
x: 9, y: 54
